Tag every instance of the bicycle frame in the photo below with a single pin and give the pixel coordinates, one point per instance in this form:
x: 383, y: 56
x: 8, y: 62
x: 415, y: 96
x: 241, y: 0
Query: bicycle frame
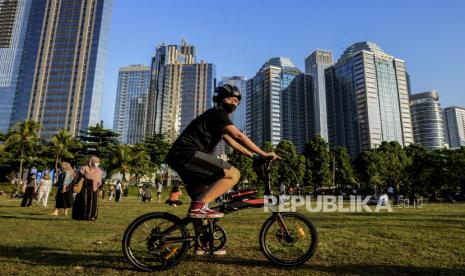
x: 238, y: 206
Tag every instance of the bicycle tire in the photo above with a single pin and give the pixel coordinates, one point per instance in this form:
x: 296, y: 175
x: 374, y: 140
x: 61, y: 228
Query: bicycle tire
x: 152, y: 239
x: 301, y: 259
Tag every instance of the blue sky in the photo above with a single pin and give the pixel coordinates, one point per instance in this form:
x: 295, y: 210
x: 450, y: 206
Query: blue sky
x: 239, y: 36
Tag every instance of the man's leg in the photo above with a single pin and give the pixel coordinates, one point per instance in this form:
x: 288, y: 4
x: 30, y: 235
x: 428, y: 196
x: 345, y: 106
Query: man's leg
x: 221, y: 186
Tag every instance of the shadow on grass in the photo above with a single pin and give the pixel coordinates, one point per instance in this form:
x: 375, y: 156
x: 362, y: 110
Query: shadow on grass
x: 68, y: 258
x: 381, y: 269
x: 36, y: 217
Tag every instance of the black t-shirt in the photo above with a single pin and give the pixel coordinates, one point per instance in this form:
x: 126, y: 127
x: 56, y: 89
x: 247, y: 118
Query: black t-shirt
x: 202, y: 134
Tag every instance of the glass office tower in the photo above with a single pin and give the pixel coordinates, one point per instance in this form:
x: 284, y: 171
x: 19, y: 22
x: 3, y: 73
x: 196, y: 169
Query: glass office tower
x: 427, y: 120
x: 131, y: 103
x: 180, y: 89
x: 454, y: 126
x: 61, y: 74
x: 14, y: 15
x: 315, y: 65
x: 367, y: 99
x: 280, y: 104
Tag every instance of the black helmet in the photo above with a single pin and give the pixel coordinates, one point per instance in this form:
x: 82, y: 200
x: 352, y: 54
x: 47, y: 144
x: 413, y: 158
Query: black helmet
x: 224, y: 91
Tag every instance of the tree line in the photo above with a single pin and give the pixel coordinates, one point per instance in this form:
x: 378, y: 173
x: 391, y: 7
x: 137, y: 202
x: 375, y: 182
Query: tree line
x: 21, y: 148
x: 409, y: 170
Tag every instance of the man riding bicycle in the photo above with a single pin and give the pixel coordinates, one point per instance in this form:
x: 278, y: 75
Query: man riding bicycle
x: 207, y: 177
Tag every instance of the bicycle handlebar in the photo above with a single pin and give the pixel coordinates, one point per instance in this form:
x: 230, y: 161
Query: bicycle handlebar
x: 262, y: 167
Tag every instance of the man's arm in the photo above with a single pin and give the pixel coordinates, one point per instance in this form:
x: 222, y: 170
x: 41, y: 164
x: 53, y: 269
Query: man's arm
x: 235, y: 145
x: 240, y: 137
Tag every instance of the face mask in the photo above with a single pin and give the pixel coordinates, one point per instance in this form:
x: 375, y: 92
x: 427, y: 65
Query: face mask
x: 229, y: 108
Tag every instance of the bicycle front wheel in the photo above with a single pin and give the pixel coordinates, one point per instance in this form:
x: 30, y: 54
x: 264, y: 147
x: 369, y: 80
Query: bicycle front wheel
x: 288, y: 239
x: 155, y: 241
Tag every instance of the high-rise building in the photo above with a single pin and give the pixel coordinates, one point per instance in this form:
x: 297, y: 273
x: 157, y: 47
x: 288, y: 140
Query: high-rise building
x: 454, y: 126
x: 367, y: 99
x: 427, y: 120
x: 131, y: 103
x: 60, y: 83
x: 315, y: 65
x: 280, y: 104
x: 180, y: 89
x: 13, y: 26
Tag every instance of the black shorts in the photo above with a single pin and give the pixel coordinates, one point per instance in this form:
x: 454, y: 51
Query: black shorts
x: 200, y: 170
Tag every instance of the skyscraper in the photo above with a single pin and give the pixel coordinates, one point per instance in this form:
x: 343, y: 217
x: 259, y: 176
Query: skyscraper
x: 427, y: 120
x: 454, y: 125
x: 61, y: 74
x: 180, y: 89
x: 315, y: 65
x: 367, y: 99
x: 280, y: 104
x: 131, y: 103
x: 13, y: 26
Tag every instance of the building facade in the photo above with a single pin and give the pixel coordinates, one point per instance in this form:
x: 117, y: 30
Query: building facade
x: 180, y: 89
x: 454, y: 126
x: 427, y: 120
x: 367, y: 99
x: 131, y: 103
x: 280, y: 104
x: 13, y: 26
x: 315, y: 65
x: 60, y: 82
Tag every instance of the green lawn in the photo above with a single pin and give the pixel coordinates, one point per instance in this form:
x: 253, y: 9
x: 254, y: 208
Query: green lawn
x: 430, y: 240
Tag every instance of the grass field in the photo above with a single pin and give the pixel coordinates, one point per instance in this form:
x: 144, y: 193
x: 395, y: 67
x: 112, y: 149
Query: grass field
x: 430, y: 240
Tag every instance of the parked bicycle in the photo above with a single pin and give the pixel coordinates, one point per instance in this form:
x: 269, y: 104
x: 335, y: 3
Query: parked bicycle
x: 160, y: 240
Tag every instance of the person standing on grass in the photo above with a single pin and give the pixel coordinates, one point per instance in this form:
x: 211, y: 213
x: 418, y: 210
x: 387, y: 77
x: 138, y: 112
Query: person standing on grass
x: 64, y: 195
x: 159, y: 190
x: 118, y: 190
x: 30, y: 189
x: 86, y: 204
x: 45, y: 186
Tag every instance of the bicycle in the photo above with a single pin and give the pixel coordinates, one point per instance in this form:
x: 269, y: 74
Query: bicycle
x: 160, y: 240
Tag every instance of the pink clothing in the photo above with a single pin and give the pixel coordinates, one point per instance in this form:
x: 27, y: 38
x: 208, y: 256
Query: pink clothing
x: 94, y: 174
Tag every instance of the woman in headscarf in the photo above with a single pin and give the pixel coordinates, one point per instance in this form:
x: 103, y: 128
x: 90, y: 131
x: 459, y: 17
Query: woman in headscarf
x: 64, y: 196
x: 86, y: 205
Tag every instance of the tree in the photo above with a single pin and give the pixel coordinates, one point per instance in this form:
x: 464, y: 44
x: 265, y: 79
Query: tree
x: 23, y: 137
x: 97, y: 141
x: 61, y: 144
x: 344, y: 176
x: 367, y: 166
x: 121, y: 161
x: 139, y: 162
x: 244, y: 165
x: 393, y: 164
x: 291, y: 166
x: 157, y: 148
x: 317, y: 157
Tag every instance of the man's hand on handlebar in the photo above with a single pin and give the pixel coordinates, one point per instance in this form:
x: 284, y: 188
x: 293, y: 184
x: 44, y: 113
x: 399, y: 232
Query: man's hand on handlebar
x: 271, y: 156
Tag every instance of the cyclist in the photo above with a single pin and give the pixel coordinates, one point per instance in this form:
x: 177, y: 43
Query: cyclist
x: 207, y: 177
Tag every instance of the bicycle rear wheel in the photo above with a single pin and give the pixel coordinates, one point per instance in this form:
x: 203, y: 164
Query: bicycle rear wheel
x: 155, y: 241
x: 289, y: 241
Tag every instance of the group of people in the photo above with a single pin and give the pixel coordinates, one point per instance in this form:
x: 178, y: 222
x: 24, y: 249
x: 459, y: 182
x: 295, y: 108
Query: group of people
x: 78, y: 191
x: 173, y: 201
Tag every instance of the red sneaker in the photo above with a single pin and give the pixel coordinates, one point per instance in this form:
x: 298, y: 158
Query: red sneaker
x: 200, y: 210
